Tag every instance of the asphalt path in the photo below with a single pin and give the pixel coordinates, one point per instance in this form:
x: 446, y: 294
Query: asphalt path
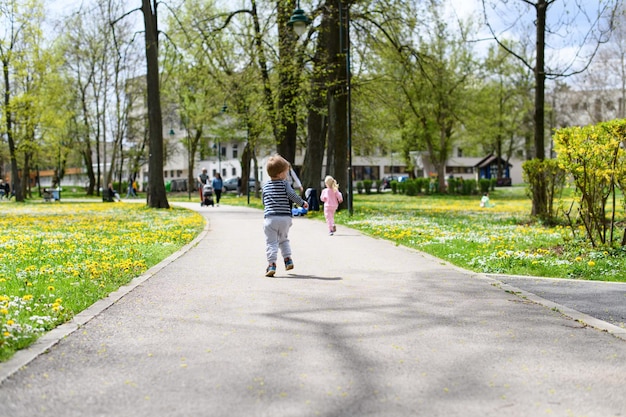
x: 604, y: 301
x: 360, y: 327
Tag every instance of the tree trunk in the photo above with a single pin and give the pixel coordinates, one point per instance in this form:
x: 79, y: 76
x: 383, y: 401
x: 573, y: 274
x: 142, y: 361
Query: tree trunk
x: 15, y: 176
x: 311, y: 174
x: 156, y: 196
x: 539, y: 202
x: 540, y: 80
x: 338, y: 46
x: 288, y: 87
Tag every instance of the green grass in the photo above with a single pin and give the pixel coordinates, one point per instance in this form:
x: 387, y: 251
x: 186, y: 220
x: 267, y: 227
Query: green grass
x: 58, y: 259
x: 500, y: 240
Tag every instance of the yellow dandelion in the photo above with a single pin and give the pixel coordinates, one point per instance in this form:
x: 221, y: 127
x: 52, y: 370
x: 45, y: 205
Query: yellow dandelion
x: 4, y: 311
x: 50, y: 288
x: 27, y: 297
x: 10, y: 322
x: 591, y: 263
x: 6, y: 334
x: 578, y: 259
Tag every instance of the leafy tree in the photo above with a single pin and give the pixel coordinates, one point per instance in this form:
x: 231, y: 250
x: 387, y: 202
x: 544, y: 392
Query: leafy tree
x: 433, y: 73
x: 574, y: 15
x: 502, y: 108
x: 22, y: 64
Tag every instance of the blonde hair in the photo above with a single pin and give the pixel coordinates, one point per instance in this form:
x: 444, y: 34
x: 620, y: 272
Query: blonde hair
x: 276, y: 165
x: 331, y: 183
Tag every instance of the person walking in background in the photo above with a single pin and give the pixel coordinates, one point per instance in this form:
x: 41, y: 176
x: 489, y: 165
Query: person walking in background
x: 277, y: 198
x: 203, y: 178
x: 217, y: 185
x: 332, y: 197
x: 131, y: 190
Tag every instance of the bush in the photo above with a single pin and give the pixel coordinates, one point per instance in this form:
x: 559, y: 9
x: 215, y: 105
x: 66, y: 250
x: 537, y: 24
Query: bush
x: 485, y: 185
x: 545, y: 180
x: 469, y: 187
x: 359, y: 187
x: 367, y: 184
x: 453, y: 186
x: 412, y: 187
x: 596, y: 159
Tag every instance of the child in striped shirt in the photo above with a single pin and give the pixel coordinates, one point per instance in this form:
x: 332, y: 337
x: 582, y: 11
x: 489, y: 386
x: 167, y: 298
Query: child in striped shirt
x: 277, y: 197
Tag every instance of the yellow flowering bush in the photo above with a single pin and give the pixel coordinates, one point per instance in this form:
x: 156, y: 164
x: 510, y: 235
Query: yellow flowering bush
x: 58, y: 259
x: 596, y: 159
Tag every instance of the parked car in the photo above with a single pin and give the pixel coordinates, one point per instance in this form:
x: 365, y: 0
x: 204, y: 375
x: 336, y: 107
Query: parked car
x: 231, y: 184
x: 388, y: 179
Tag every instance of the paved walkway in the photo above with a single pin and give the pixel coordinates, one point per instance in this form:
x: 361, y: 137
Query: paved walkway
x: 360, y: 327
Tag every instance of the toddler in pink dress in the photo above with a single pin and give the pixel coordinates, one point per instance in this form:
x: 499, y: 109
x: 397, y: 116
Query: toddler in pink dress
x: 331, y: 196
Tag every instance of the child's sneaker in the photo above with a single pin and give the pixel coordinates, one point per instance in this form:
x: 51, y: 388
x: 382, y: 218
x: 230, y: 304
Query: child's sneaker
x: 271, y: 270
x: 288, y: 264
x: 334, y: 229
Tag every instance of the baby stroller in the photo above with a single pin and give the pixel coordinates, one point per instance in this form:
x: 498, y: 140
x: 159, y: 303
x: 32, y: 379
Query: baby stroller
x: 207, y: 195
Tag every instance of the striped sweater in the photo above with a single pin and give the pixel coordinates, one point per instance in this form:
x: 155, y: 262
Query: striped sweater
x: 277, y: 198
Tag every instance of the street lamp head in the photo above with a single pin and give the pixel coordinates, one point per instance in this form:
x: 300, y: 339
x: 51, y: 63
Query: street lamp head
x: 299, y: 21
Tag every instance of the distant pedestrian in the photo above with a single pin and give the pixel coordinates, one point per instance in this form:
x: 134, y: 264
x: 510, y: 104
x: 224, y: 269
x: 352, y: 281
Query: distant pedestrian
x: 131, y: 190
x: 277, y: 198
x: 218, y: 186
x: 203, y: 179
x: 332, y: 197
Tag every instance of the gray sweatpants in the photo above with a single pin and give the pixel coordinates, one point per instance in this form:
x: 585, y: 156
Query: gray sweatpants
x: 276, y: 230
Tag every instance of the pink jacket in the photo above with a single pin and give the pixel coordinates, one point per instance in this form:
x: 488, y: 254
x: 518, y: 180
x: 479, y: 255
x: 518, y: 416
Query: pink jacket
x: 331, y: 198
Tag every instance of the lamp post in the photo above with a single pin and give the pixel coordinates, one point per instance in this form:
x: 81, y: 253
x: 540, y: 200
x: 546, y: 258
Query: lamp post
x: 345, y: 43
x: 299, y: 21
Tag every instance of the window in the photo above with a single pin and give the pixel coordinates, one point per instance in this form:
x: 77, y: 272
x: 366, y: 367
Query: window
x: 235, y: 151
x: 459, y: 153
x: 164, y: 174
x: 233, y: 172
